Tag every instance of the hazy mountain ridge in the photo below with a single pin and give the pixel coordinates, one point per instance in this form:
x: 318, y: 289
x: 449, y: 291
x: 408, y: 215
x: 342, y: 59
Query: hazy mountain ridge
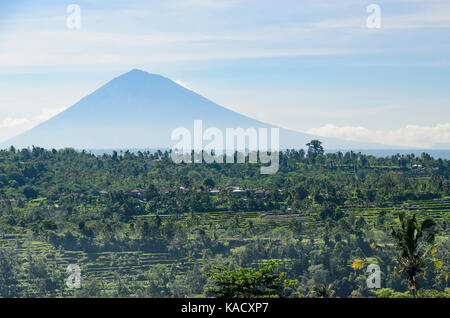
x: 140, y: 110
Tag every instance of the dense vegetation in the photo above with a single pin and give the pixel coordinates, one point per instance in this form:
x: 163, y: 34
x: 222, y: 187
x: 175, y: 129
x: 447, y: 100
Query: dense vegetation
x: 140, y: 225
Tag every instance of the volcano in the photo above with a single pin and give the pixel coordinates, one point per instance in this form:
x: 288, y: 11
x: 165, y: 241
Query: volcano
x: 139, y: 110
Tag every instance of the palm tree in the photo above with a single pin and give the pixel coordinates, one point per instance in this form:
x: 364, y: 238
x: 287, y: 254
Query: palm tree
x: 315, y: 147
x: 321, y: 291
x: 415, y: 242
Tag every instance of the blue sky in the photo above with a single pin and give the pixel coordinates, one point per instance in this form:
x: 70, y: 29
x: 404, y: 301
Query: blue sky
x: 311, y: 66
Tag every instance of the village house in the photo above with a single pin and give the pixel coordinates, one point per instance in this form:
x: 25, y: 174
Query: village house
x: 214, y: 192
x: 239, y: 191
x: 138, y: 193
x: 259, y: 193
x: 169, y: 190
x: 101, y: 192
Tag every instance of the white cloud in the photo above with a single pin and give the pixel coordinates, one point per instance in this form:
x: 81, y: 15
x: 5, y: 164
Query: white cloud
x: 14, y: 122
x: 47, y: 113
x: 53, y: 44
x: 355, y: 133
x: 33, y: 48
x: 11, y: 126
x: 410, y: 135
x: 435, y: 19
x: 208, y: 3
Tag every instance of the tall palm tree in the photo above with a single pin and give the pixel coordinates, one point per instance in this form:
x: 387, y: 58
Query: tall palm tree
x: 321, y: 291
x: 415, y: 242
x: 315, y: 147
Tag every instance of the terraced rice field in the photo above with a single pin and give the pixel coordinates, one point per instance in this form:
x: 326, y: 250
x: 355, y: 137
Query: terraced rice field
x: 439, y: 209
x: 104, y: 266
